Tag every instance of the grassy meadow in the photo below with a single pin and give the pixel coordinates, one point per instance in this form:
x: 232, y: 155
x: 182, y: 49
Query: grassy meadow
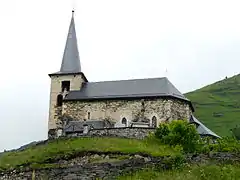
x: 66, y: 147
x: 196, y: 172
x: 218, y: 105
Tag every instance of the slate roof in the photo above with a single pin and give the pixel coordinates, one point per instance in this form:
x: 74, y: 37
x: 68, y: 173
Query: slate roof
x: 77, y: 126
x: 125, y: 89
x: 134, y: 88
x: 71, y: 60
x: 202, y: 130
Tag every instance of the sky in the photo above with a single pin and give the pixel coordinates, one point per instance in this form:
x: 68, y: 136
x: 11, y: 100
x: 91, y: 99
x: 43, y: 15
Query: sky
x: 193, y: 43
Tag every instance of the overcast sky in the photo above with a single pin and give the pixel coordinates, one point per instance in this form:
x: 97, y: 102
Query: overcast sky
x: 198, y: 42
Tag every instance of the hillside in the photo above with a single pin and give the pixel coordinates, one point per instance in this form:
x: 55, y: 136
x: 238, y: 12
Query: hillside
x: 118, y: 158
x: 82, y: 158
x: 218, y: 105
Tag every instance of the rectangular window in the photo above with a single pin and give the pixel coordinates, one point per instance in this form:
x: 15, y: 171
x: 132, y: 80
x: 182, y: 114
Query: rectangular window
x: 65, y: 85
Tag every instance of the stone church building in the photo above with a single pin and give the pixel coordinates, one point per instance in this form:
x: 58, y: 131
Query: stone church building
x: 116, y: 103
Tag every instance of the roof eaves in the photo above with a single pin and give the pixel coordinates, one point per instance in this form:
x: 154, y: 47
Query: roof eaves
x: 107, y: 97
x: 70, y: 73
x: 205, y: 130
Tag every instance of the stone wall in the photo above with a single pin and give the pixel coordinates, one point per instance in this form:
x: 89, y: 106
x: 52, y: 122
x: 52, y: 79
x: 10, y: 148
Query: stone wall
x: 180, y: 110
x: 75, y: 84
x: 126, y: 132
x: 115, y: 110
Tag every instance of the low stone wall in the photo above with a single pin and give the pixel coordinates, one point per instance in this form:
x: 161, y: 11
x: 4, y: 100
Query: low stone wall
x: 124, y: 132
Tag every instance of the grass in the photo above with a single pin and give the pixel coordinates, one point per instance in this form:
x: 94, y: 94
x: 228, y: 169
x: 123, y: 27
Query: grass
x: 201, y: 172
x: 218, y: 105
x: 64, y: 147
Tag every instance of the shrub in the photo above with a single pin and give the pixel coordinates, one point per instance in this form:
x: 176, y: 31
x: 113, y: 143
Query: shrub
x: 179, y: 132
x: 162, y: 131
x: 226, y: 144
x: 236, y: 132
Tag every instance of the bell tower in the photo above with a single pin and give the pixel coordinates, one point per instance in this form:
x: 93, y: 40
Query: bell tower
x: 69, y: 78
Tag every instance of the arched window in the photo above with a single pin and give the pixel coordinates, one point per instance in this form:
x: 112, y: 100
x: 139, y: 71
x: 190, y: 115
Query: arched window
x: 59, y: 100
x: 124, y: 121
x: 154, y: 121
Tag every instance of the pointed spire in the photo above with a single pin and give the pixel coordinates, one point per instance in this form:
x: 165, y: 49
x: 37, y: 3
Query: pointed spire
x: 71, y: 59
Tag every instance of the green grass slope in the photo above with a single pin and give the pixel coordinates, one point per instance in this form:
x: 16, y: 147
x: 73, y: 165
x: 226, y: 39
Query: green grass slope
x: 39, y: 155
x: 218, y: 105
x: 195, y: 172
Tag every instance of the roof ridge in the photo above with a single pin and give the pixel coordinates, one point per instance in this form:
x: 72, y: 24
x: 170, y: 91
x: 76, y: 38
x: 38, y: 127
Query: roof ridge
x: 127, y: 80
x: 167, y: 85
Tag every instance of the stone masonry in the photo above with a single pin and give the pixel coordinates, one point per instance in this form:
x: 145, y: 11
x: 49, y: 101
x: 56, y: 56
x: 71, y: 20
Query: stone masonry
x: 115, y: 110
x: 76, y: 83
x: 123, y: 132
x: 111, y: 165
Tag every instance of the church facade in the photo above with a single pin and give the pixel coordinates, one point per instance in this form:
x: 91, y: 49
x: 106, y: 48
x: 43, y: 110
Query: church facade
x: 122, y: 103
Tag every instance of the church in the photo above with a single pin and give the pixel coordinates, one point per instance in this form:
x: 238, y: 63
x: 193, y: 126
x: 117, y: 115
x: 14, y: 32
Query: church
x: 125, y: 103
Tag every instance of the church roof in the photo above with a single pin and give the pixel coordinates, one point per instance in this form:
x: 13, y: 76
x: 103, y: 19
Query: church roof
x: 71, y: 60
x: 202, y: 130
x: 127, y: 89
x: 77, y: 126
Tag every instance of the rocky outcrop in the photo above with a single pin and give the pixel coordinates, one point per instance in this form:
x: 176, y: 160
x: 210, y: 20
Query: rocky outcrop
x: 87, y: 168
x: 92, y: 165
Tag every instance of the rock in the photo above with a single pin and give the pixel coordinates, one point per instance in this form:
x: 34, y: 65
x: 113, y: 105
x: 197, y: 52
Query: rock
x: 147, y: 159
x: 96, y: 156
x: 138, y: 156
x: 107, y: 157
x: 76, y: 168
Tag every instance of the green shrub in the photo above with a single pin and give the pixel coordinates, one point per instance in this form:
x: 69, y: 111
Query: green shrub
x: 162, y: 131
x: 236, y: 132
x: 179, y: 132
x: 175, y: 162
x: 226, y: 144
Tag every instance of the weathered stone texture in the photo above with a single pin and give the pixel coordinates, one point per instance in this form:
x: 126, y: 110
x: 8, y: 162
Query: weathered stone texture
x: 180, y: 110
x: 125, y: 132
x: 82, y: 168
x: 115, y: 110
x: 109, y: 166
x: 75, y: 84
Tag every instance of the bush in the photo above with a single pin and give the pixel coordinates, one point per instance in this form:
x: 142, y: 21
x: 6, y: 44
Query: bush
x: 236, y: 132
x: 226, y: 144
x: 179, y: 132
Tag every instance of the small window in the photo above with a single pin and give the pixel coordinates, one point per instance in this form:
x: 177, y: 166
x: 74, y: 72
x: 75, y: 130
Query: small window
x: 88, y: 115
x: 154, y: 121
x: 124, y: 121
x: 142, y: 108
x: 59, y: 100
x: 65, y: 85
